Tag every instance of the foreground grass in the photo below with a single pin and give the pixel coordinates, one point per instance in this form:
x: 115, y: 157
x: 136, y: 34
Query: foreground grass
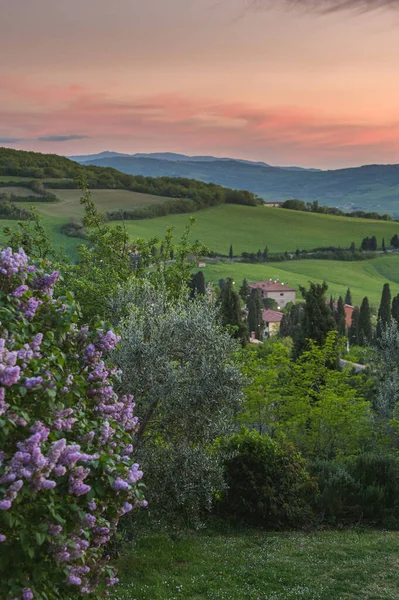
x: 253, y: 565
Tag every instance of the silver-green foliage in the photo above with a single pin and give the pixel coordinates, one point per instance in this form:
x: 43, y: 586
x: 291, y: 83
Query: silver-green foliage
x: 178, y: 362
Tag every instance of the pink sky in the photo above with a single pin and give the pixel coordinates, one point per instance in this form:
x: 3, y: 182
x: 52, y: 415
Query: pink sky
x: 223, y: 77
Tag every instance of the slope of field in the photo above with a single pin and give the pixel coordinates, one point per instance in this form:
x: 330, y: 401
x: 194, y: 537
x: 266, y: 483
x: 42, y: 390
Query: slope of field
x: 365, y: 278
x: 106, y: 200
x: 249, y: 229
x: 17, y: 191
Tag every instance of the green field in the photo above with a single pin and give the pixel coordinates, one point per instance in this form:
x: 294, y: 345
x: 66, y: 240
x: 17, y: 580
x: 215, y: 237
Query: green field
x: 18, y: 191
x: 106, y: 200
x: 250, y: 229
x: 365, y: 278
x: 256, y: 565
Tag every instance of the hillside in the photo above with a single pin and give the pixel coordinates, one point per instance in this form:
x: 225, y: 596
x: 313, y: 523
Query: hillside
x: 372, y: 187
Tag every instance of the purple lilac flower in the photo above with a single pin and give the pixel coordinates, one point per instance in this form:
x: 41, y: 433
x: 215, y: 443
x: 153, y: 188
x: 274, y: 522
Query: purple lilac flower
x: 9, y: 375
x: 12, y: 263
x: 29, y: 308
x: 92, y: 505
x: 108, y: 341
x: 46, y: 283
x: 120, y: 484
x: 20, y: 291
x: 32, y: 382
x: 5, y: 505
x: 112, y: 581
x: 74, y: 580
x: 134, y: 474
x: 27, y: 594
x: 2, y: 538
x: 54, y: 529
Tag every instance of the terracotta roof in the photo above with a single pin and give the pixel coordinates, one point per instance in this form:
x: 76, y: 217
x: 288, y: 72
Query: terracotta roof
x: 271, y: 316
x: 272, y: 286
x: 348, y: 312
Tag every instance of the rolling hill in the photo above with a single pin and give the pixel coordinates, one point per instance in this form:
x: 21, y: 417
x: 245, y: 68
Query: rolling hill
x: 371, y: 187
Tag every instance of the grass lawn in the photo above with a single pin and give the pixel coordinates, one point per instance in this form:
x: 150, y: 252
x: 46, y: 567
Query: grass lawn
x: 255, y: 565
x: 365, y: 278
x: 252, y: 228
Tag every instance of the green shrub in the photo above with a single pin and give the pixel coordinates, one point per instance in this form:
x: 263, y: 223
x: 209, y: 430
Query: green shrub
x: 267, y: 482
x: 363, y: 487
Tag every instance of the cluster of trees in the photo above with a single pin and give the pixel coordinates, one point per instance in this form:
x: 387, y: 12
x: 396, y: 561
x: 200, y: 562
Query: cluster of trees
x: 315, y: 207
x: 75, y: 445
x: 8, y: 210
x: 189, y: 194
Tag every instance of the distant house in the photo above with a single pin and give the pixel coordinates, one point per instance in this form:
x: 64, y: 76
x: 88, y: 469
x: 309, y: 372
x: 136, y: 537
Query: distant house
x: 271, y: 320
x: 273, y: 204
x: 281, y: 293
x: 201, y: 265
x: 348, y: 313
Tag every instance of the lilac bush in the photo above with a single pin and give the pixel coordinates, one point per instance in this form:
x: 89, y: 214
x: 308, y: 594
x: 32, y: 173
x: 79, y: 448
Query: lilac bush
x: 66, y: 469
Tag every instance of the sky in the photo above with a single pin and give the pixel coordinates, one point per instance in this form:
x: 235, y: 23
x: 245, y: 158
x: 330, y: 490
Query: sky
x: 289, y: 82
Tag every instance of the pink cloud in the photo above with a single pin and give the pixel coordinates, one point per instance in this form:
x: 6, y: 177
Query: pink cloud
x: 276, y: 134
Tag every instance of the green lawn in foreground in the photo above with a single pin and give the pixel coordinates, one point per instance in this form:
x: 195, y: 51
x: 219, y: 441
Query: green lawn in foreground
x: 254, y: 565
x: 365, y: 278
x: 250, y: 228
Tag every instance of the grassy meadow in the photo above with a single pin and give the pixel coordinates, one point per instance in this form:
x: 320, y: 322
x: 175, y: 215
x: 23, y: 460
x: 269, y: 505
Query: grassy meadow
x: 365, y: 278
x: 256, y: 565
x: 247, y: 229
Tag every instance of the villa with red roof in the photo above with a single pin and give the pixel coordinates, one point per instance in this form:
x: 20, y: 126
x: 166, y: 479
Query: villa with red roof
x: 278, y: 291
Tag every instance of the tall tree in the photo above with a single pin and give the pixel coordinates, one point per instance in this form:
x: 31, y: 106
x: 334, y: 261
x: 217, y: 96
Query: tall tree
x: 265, y: 253
x: 255, y: 321
x: 373, y: 243
x: 365, y: 328
x: 244, y: 290
x: 197, y: 284
x: 354, y: 328
x: 395, y: 308
x: 317, y: 319
x: 331, y: 305
x: 291, y: 322
x: 230, y: 310
x: 340, y: 317
x: 384, y: 312
x: 395, y: 241
x: 383, y: 245
x: 231, y: 252
x: 348, y: 297
x: 352, y: 247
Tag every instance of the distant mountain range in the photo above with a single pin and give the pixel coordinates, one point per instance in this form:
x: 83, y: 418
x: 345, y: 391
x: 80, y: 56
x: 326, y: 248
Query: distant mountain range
x: 371, y: 187
x: 173, y: 157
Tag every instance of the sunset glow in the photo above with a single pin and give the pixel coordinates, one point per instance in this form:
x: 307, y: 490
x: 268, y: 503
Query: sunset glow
x: 228, y: 78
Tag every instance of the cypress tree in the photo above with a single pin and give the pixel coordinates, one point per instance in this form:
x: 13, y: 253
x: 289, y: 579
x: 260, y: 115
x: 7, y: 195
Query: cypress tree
x: 340, y: 317
x: 395, y: 241
x: 317, y: 319
x: 259, y: 256
x: 332, y: 307
x: 244, y: 291
x: 265, y: 253
x: 365, y: 329
x: 354, y: 328
x: 348, y: 297
x: 197, y: 284
x: 383, y: 245
x: 384, y: 312
x: 255, y: 321
x: 230, y: 310
x: 231, y: 252
x: 373, y: 243
x: 352, y: 247
x: 395, y: 308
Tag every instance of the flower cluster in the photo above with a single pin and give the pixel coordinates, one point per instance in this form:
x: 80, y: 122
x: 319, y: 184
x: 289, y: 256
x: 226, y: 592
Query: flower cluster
x: 66, y: 468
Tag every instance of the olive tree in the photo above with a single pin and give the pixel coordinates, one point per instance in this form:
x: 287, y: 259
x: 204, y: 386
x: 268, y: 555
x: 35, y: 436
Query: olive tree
x: 178, y: 361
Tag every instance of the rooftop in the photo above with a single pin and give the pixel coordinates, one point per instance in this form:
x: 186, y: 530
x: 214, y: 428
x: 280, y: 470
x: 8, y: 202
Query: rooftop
x: 272, y: 286
x: 271, y: 316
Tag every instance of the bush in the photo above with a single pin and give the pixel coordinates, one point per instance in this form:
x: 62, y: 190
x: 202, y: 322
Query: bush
x: 66, y: 471
x: 267, y: 482
x: 363, y: 487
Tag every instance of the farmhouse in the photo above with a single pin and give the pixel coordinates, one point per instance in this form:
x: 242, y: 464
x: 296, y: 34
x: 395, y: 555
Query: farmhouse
x: 273, y: 204
x: 271, y: 320
x: 281, y: 293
